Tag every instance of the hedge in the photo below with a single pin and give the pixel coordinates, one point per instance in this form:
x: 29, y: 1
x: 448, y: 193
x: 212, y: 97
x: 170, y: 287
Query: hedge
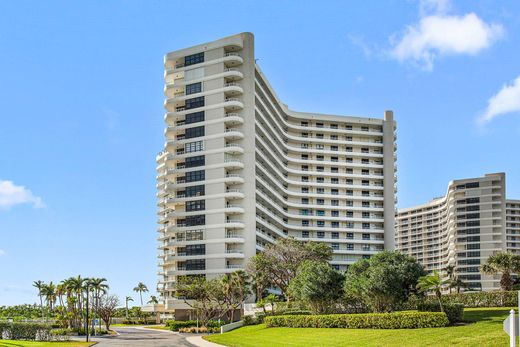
x: 483, y: 299
x: 25, y: 331
x: 396, y: 320
x: 454, y: 311
x: 176, y: 325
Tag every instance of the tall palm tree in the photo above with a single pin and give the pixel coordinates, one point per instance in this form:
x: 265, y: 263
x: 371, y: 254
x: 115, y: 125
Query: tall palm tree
x: 433, y: 283
x: 505, y: 263
x: 153, y: 300
x: 60, y: 291
x: 457, y: 283
x: 141, y: 288
x: 99, y: 287
x: 450, y: 272
x: 127, y: 299
x: 39, y: 285
x: 49, y: 291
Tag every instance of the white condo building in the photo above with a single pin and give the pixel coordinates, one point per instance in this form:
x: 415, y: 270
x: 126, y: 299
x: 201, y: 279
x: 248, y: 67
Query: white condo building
x: 239, y: 170
x: 463, y: 228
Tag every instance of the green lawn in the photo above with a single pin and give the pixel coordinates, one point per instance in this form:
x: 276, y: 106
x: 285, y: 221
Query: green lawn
x: 13, y: 343
x: 486, y: 331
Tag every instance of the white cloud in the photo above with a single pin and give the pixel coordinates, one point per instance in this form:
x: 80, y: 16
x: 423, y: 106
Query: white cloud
x: 439, y: 34
x: 507, y: 100
x: 11, y: 195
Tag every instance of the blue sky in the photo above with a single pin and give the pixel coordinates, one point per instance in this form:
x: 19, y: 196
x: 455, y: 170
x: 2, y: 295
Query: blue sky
x: 82, y: 118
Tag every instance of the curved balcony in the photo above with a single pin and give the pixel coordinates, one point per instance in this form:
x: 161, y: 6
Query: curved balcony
x: 233, y: 104
x: 234, y: 148
x: 232, y: 89
x: 232, y: 59
x: 233, y: 118
x: 233, y: 74
x: 233, y: 134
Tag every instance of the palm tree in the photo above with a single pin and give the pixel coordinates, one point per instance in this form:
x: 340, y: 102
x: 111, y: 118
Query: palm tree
x: 141, y: 288
x: 99, y: 287
x: 458, y: 284
x: 49, y: 291
x: 39, y: 285
x: 450, y: 271
x: 153, y: 300
x: 434, y: 283
x: 60, y: 291
x: 127, y: 299
x: 505, y: 263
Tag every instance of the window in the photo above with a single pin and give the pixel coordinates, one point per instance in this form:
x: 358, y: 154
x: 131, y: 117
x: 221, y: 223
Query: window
x: 193, y: 88
x: 320, y: 201
x: 319, y: 146
x: 333, y: 137
x: 350, y: 225
x: 320, y: 157
x: 321, y: 234
x: 305, y: 223
x: 320, y: 190
x: 348, y: 149
x: 320, y: 223
x: 320, y: 179
x: 319, y: 125
x: 305, y: 167
x: 194, y: 176
x: 349, y: 160
x: 194, y: 117
x: 319, y: 136
x: 334, y: 180
x: 366, y: 203
x: 194, y: 59
x: 334, y: 170
x: 335, y: 235
x: 198, y: 160
x: 366, y: 215
x: 334, y: 191
x: 305, y: 234
x: 334, y: 159
x: 366, y: 226
x: 194, y: 132
x: 334, y: 224
x: 333, y: 126
x: 365, y: 172
x: 194, y: 103
x: 196, y: 249
x: 334, y: 213
x: 350, y: 214
x: 364, y: 128
x: 349, y: 181
x: 348, y: 138
x: 334, y: 202
x: 195, y: 191
x: 195, y: 220
x: 196, y: 146
x: 333, y: 148
x: 320, y: 168
x: 195, y: 264
x: 304, y: 124
x: 305, y: 189
x: 305, y: 178
x: 365, y: 161
x: 334, y: 246
x: 320, y: 213
x: 197, y: 205
x: 304, y: 145
x: 350, y: 247
x: 305, y: 201
x: 305, y: 157
x: 366, y: 236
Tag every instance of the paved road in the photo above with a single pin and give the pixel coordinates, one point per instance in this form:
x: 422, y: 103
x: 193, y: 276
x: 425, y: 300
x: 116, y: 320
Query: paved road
x: 135, y: 337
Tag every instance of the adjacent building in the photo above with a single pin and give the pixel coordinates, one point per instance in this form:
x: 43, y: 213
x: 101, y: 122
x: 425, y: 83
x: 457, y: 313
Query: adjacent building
x: 463, y: 228
x: 240, y: 170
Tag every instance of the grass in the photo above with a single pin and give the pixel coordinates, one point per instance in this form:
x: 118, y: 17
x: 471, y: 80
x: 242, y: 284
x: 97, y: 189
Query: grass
x: 158, y: 327
x: 18, y: 343
x: 485, y: 331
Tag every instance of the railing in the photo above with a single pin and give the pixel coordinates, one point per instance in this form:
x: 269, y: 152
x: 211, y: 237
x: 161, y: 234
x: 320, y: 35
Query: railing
x: 232, y: 55
x: 232, y: 114
x: 180, y: 109
x: 231, y: 130
x: 232, y: 84
x: 234, y: 175
x: 234, y: 266
x: 233, y: 99
x: 231, y: 69
x: 234, y: 191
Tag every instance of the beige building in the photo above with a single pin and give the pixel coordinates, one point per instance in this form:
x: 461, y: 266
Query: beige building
x: 240, y: 170
x: 463, y: 228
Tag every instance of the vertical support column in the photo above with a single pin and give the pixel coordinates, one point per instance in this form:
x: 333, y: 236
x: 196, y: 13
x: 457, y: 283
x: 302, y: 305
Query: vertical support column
x: 388, y: 177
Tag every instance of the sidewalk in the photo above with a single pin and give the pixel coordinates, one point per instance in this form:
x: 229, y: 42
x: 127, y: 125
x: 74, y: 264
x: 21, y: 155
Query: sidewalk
x: 200, y: 342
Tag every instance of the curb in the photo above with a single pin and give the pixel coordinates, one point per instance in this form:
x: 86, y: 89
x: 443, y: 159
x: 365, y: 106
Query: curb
x: 200, y: 342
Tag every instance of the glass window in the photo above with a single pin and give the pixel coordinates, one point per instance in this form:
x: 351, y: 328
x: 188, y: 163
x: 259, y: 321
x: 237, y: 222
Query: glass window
x: 197, y: 205
x: 195, y: 191
x: 193, y: 88
x: 194, y: 132
x: 196, y: 146
x: 194, y: 59
x: 194, y: 103
x: 194, y: 176
x: 198, y: 160
x: 194, y: 117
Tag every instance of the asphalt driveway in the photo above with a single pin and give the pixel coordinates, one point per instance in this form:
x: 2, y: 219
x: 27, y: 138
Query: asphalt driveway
x: 136, y: 337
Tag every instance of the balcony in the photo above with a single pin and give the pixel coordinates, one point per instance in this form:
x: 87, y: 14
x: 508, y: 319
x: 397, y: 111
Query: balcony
x: 233, y: 104
x: 232, y: 59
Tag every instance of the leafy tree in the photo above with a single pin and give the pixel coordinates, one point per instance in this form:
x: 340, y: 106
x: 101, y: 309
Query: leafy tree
x: 206, y: 297
x: 382, y: 282
x: 39, y: 285
x: 236, y: 288
x: 458, y: 284
x: 127, y: 299
x: 141, y: 288
x: 318, y: 285
x: 106, y: 308
x: 434, y: 283
x: 153, y: 300
x: 505, y: 263
x: 279, y: 262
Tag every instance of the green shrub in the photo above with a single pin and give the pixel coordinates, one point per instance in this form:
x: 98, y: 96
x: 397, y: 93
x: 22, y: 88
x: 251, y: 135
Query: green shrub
x: 396, y: 320
x: 454, y: 311
x: 175, y: 325
x: 483, y: 299
x: 293, y: 313
x: 249, y: 320
x: 25, y: 331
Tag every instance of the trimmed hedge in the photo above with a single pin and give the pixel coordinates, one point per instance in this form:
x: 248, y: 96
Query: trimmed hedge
x: 396, y: 320
x: 454, y: 312
x: 25, y: 331
x: 483, y: 299
x: 177, y: 325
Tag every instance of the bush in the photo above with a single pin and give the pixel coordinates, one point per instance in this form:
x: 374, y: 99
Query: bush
x: 293, y: 313
x: 25, y: 331
x: 483, y: 299
x: 454, y: 311
x: 249, y: 320
x: 177, y: 325
x: 201, y: 330
x: 396, y: 320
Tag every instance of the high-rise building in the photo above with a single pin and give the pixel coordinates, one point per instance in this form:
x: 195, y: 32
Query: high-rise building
x: 463, y: 228
x: 240, y: 170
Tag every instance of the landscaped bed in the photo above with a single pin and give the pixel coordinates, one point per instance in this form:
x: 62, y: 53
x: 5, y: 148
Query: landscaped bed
x: 485, y: 330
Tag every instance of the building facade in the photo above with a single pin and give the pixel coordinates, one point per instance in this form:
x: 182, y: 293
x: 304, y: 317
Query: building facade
x: 463, y: 228
x: 240, y: 170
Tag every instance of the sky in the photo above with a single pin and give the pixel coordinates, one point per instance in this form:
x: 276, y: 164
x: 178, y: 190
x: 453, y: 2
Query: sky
x: 81, y: 110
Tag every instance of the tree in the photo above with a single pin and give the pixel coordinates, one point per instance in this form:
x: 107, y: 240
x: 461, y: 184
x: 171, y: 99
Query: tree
x: 39, y: 285
x: 153, y: 300
x: 141, y: 288
x: 49, y: 292
x: 236, y: 288
x: 318, y: 285
x: 279, y: 262
x: 383, y: 282
x: 458, y: 284
x: 127, y: 299
x: 505, y: 263
x: 450, y: 272
x: 99, y: 287
x: 205, y: 297
x: 434, y: 283
x: 106, y: 308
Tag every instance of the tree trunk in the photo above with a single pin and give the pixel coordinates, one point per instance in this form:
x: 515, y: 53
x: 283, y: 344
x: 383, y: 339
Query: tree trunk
x: 505, y: 281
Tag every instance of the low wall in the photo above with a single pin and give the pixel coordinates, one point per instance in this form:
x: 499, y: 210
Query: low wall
x: 231, y: 326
